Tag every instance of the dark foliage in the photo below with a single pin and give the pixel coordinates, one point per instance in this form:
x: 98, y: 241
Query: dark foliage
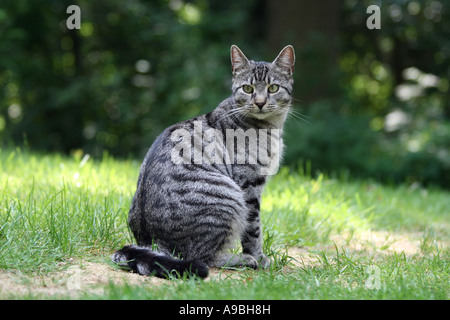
x: 376, y: 101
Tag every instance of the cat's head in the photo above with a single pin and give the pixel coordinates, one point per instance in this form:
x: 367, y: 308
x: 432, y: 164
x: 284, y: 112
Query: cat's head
x: 262, y: 90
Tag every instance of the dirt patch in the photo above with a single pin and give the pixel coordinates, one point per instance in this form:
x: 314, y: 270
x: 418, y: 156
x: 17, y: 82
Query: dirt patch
x: 77, y: 278
x: 380, y: 241
x: 82, y: 277
x: 369, y: 243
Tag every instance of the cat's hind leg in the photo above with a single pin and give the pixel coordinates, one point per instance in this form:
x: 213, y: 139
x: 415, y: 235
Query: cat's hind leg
x: 228, y: 260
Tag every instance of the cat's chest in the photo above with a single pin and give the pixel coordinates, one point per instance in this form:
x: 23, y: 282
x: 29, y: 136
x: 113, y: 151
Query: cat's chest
x: 254, y: 174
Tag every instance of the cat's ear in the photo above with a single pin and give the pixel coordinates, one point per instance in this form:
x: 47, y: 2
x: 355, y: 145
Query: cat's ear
x: 238, y: 60
x: 286, y: 59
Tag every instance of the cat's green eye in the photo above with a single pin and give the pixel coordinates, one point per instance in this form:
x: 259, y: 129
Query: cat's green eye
x: 273, y: 88
x: 247, y: 88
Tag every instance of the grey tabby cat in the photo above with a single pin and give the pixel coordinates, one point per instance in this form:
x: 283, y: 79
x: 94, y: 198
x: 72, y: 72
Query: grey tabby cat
x: 187, y: 214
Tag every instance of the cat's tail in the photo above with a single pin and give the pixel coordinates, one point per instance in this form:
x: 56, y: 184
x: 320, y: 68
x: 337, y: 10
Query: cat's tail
x: 147, y: 262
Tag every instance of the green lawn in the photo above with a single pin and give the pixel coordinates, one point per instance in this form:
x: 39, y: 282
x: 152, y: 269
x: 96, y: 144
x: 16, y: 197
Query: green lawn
x: 329, y: 237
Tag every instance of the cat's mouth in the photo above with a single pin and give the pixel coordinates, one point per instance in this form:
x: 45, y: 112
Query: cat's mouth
x: 261, y: 114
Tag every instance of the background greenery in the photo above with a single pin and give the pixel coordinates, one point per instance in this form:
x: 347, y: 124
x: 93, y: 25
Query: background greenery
x: 375, y: 102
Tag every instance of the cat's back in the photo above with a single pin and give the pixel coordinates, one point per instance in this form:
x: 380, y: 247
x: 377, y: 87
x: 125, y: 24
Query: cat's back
x: 175, y: 164
x: 180, y: 147
x: 175, y: 199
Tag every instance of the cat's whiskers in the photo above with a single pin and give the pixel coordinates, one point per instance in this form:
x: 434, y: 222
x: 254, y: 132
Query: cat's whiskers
x: 295, y: 99
x: 297, y: 115
x: 279, y: 109
x: 234, y: 113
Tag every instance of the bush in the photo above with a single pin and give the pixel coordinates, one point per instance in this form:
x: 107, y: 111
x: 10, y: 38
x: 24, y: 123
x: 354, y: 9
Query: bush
x: 331, y: 142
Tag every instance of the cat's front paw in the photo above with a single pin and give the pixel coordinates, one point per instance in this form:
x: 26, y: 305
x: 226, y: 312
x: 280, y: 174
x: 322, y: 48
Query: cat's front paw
x: 264, y: 262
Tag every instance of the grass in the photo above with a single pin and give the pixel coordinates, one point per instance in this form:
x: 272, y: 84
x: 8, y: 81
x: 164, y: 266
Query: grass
x: 55, y: 207
x: 57, y: 211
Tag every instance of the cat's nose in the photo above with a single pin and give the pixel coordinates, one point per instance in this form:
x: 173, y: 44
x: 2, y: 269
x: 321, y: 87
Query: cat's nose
x: 260, y: 104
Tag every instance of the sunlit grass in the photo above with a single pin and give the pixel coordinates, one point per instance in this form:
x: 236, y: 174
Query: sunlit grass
x: 54, y: 208
x: 311, y: 209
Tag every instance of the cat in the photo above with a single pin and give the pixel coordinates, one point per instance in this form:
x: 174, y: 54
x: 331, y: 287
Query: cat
x: 192, y: 206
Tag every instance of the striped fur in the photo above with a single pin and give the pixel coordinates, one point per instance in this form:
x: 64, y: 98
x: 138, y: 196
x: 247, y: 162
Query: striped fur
x: 194, y: 212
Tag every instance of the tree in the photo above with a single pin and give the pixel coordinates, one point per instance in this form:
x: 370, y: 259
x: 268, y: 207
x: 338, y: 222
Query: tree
x: 312, y: 27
